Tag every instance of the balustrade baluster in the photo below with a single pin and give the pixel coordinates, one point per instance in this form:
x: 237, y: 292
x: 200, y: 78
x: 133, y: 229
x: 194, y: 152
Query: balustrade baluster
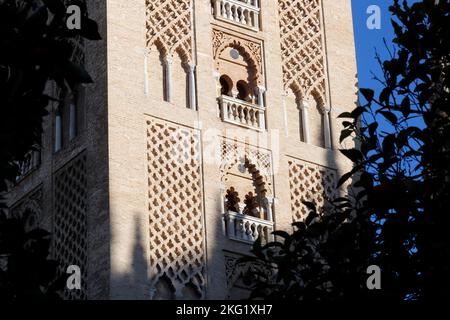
x: 238, y: 11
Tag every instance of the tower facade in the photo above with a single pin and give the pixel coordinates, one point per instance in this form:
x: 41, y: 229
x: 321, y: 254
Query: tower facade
x: 208, y: 124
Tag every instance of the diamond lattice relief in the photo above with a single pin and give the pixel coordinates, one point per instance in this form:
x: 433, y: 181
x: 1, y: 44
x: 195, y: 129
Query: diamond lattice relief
x: 169, y: 25
x: 175, y: 206
x: 70, y: 228
x: 312, y: 183
x: 301, y: 46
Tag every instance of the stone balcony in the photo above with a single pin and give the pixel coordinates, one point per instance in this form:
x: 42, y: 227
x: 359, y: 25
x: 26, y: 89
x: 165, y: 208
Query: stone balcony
x: 242, y: 113
x: 247, y: 229
x: 244, y: 13
x: 29, y: 164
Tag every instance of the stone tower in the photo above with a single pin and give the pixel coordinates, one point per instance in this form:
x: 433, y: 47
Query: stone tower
x: 208, y: 123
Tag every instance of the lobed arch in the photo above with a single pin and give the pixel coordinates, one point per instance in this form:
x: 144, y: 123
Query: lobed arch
x: 159, y: 46
x: 319, y: 100
x: 253, y: 67
x: 313, y: 93
x: 250, y: 51
x: 259, y: 169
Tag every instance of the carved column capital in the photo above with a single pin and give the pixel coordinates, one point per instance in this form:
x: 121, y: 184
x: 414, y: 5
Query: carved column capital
x: 305, y: 104
x: 168, y: 60
x: 261, y: 89
x: 191, y: 67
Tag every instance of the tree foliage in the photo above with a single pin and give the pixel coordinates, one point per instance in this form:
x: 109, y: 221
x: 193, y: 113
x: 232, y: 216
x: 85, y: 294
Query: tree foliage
x: 25, y: 270
x: 397, y: 218
x: 36, y: 46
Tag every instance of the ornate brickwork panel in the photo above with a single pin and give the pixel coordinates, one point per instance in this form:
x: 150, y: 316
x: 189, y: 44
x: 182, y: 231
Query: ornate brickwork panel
x: 233, y: 270
x: 29, y: 208
x: 238, y: 275
x: 302, y: 46
x: 70, y: 225
x: 169, y: 26
x: 312, y: 183
x: 175, y: 206
x: 260, y: 161
x: 251, y: 50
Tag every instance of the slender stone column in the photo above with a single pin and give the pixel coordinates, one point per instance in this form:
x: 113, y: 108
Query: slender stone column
x: 192, y: 88
x: 284, y: 96
x: 217, y: 8
x: 146, y: 86
x: 222, y: 209
x: 168, y: 69
x: 305, y: 121
x: 327, y: 127
x: 72, y: 121
x: 268, y: 202
x: 58, y: 131
x: 261, y: 91
x: 262, y: 117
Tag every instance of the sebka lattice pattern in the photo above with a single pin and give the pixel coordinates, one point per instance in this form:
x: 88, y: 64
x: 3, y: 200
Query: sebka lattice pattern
x: 302, y: 46
x: 70, y: 226
x: 175, y: 206
x: 312, y: 183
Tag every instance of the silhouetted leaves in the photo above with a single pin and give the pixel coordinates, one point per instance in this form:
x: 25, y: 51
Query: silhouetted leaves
x: 353, y: 154
x: 27, y: 272
x: 399, y: 217
x: 35, y: 47
x: 368, y: 94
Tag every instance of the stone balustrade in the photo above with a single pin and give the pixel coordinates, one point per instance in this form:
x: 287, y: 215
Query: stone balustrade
x: 245, y: 228
x: 242, y: 113
x: 29, y: 164
x: 241, y: 12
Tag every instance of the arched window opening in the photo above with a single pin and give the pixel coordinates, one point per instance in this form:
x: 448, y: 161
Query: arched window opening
x: 225, y: 85
x: 243, y: 90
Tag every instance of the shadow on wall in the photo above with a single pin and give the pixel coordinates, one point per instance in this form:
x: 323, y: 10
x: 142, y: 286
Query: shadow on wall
x: 139, y: 282
x: 133, y: 283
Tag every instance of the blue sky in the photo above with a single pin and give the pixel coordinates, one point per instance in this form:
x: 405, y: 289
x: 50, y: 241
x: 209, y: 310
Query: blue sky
x: 367, y: 41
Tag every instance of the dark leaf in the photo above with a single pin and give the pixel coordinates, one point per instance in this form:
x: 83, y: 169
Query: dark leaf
x: 353, y: 154
x: 390, y: 116
x: 368, y: 94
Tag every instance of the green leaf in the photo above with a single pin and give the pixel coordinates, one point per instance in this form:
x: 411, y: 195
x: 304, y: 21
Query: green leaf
x: 282, y: 234
x: 406, y: 107
x: 348, y: 175
x: 345, y: 134
x: 372, y: 128
x: 353, y: 154
x: 384, y: 95
x: 365, y: 181
x: 389, y: 146
x: 347, y: 124
x: 357, y: 112
x: 390, y: 116
x: 368, y: 94
x: 346, y: 115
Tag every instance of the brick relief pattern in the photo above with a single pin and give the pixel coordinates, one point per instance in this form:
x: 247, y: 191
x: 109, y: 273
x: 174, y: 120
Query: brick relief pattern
x: 70, y: 225
x: 29, y: 208
x: 312, y: 183
x: 251, y: 50
x: 238, y: 275
x: 234, y: 153
x: 169, y: 26
x: 175, y: 207
x: 302, y: 46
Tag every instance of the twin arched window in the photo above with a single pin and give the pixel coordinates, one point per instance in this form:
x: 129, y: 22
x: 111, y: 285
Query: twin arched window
x: 241, y: 91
